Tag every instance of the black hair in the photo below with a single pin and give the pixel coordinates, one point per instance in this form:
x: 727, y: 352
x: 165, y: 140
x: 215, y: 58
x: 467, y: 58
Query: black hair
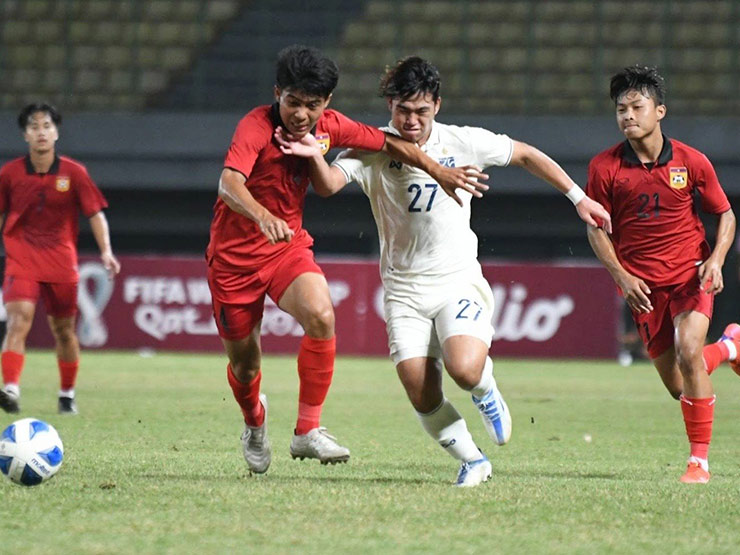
x: 305, y: 69
x: 410, y: 76
x: 34, y: 107
x: 644, y: 79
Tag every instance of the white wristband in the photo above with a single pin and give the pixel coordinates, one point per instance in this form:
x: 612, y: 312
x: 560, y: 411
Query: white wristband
x: 575, y: 195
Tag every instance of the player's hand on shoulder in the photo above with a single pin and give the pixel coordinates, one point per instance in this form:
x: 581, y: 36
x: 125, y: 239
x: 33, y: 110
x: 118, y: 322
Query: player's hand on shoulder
x: 594, y: 214
x: 636, y: 293
x: 275, y: 229
x: 465, y: 178
x: 305, y: 147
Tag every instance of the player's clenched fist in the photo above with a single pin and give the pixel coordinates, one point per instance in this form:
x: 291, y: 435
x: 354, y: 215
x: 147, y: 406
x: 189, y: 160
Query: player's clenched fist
x: 275, y: 229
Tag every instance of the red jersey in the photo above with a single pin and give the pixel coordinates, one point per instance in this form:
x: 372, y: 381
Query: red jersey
x: 277, y: 181
x: 657, y: 235
x: 42, y: 213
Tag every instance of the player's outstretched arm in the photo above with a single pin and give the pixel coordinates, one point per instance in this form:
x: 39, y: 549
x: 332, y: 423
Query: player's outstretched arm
x: 541, y: 165
x: 232, y: 191
x: 450, y: 179
x: 326, y: 180
x: 634, y: 289
x: 101, y: 232
x: 710, y: 272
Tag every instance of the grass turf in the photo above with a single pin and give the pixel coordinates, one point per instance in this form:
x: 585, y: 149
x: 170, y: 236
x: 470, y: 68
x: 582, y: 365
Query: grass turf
x: 153, y: 465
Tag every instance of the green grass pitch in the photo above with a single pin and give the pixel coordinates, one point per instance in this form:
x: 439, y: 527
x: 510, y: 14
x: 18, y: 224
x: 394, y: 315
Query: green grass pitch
x: 153, y: 465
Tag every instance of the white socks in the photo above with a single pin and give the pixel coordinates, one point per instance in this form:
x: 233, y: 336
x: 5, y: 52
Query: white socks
x: 731, y: 347
x: 447, y: 427
x: 487, y: 383
x: 13, y: 389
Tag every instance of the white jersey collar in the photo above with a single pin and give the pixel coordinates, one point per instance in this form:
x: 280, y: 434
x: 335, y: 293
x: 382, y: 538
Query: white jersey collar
x: 433, y: 136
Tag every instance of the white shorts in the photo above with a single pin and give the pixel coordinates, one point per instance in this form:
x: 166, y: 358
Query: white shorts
x: 419, y: 324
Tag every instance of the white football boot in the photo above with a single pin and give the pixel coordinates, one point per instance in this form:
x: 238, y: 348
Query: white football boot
x: 474, y: 473
x: 495, y: 415
x: 256, y: 444
x: 318, y: 444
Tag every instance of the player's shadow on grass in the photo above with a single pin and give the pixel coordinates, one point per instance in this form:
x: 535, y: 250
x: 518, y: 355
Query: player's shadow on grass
x: 280, y: 478
x: 562, y: 474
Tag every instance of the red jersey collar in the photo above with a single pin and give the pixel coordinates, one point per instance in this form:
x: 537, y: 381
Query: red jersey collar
x: 665, y: 156
x: 53, y: 170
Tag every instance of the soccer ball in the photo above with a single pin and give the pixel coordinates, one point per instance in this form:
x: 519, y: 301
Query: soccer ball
x: 31, y: 451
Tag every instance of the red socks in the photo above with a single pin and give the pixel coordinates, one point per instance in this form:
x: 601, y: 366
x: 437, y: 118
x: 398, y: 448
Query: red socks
x: 714, y: 354
x: 698, y: 415
x: 315, y: 370
x: 12, y: 366
x: 248, y: 397
x: 68, y: 374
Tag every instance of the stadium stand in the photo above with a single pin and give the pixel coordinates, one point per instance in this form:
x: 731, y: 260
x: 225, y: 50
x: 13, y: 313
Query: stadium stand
x: 102, y: 54
x: 496, y: 56
x: 549, y: 57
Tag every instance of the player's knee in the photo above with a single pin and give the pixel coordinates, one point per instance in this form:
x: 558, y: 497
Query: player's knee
x: 319, y: 322
x: 689, y: 360
x: 63, y: 332
x: 466, y: 374
x: 19, y: 324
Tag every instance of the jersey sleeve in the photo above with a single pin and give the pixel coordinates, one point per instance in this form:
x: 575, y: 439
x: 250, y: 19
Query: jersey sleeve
x: 490, y: 149
x: 89, y: 196
x: 356, y: 166
x: 713, y: 198
x: 250, y: 137
x: 598, y: 186
x: 348, y: 133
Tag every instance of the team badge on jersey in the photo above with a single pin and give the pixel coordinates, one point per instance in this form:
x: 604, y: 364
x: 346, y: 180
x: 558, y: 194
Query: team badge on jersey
x: 62, y: 183
x: 324, y: 142
x: 679, y: 178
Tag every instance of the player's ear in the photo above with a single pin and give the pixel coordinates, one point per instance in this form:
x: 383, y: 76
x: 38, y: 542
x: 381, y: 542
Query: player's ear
x: 661, y: 111
x: 328, y: 99
x: 390, y: 103
x: 437, y: 105
x: 276, y: 90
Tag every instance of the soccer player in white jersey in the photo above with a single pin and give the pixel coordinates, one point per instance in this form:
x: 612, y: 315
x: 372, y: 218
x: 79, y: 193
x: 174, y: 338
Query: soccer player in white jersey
x: 438, y: 306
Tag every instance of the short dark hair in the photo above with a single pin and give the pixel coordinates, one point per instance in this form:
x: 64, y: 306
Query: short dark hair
x: 34, y: 107
x: 305, y: 69
x: 410, y: 76
x: 644, y: 79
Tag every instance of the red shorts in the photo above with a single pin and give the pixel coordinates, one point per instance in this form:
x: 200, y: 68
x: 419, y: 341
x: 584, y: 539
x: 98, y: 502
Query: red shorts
x: 656, y: 328
x: 60, y: 299
x: 239, y: 297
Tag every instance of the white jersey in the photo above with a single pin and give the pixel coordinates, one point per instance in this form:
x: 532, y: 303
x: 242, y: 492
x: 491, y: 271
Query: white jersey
x: 425, y: 236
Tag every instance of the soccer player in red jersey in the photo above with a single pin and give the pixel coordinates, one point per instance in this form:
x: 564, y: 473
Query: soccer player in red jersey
x: 658, y: 254
x: 41, y: 197
x: 258, y: 246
